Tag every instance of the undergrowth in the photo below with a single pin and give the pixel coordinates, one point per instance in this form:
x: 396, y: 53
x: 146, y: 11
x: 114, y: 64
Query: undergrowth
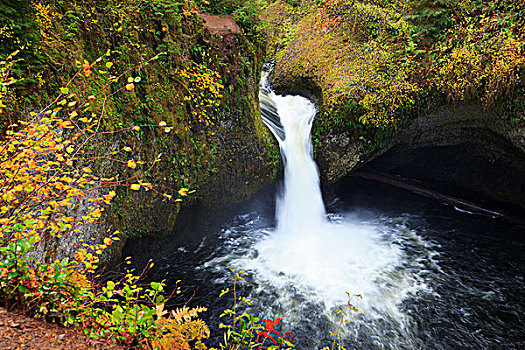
x: 50, y: 190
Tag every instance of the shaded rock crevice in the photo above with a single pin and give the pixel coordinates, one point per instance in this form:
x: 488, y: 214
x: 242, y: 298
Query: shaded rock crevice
x: 462, y: 151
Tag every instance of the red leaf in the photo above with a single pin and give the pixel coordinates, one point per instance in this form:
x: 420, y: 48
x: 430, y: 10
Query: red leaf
x: 269, y: 324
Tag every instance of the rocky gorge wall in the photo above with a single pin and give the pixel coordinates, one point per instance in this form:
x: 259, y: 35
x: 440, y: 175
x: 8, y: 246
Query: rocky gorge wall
x: 460, y: 151
x: 204, y: 86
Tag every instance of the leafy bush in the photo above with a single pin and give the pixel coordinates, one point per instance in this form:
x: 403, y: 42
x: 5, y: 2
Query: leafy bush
x: 245, y: 331
x: 395, y: 60
x: 124, y: 311
x: 46, y: 169
x: 19, y: 29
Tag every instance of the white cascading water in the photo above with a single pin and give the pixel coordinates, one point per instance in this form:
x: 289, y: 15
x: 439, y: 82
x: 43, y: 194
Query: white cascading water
x: 311, y: 260
x: 327, y: 258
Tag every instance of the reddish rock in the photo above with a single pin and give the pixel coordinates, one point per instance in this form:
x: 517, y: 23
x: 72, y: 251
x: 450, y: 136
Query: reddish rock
x: 220, y: 25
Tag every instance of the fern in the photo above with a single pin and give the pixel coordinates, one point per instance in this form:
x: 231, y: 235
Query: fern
x: 431, y: 17
x: 182, y: 330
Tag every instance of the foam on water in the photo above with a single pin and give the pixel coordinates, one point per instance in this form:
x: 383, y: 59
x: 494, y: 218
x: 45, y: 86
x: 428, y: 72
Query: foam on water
x: 327, y: 262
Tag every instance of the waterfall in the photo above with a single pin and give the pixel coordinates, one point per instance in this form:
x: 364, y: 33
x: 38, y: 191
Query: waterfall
x: 301, y: 208
x: 303, y: 268
x: 327, y: 258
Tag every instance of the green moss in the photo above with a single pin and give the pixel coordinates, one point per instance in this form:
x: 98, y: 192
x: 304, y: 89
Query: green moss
x: 372, y: 67
x: 230, y: 158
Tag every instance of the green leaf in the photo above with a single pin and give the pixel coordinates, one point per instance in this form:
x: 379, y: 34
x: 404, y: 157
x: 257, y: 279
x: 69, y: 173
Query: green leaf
x: 64, y: 90
x: 117, y: 314
x: 23, y: 245
x: 61, y: 277
x: 157, y: 286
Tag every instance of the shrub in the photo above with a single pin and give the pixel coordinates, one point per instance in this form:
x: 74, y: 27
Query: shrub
x: 245, y: 331
x: 46, y: 168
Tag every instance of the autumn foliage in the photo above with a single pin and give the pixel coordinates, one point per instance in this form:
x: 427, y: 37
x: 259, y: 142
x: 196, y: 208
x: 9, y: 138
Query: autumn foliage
x: 377, y: 62
x: 246, y: 331
x: 49, y: 189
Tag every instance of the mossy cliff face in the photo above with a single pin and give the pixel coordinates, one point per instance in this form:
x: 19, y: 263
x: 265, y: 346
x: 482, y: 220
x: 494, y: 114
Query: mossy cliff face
x: 376, y: 67
x: 204, y: 86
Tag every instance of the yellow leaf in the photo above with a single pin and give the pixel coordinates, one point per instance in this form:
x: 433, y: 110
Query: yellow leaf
x: 162, y: 123
x: 127, y: 149
x: 183, y: 191
x: 132, y: 164
x: 136, y: 128
x: 70, y: 149
x: 135, y: 187
x: 64, y: 124
x: 130, y: 86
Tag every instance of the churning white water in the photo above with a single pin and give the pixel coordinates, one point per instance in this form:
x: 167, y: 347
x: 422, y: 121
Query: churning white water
x: 325, y: 257
x: 306, y: 265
